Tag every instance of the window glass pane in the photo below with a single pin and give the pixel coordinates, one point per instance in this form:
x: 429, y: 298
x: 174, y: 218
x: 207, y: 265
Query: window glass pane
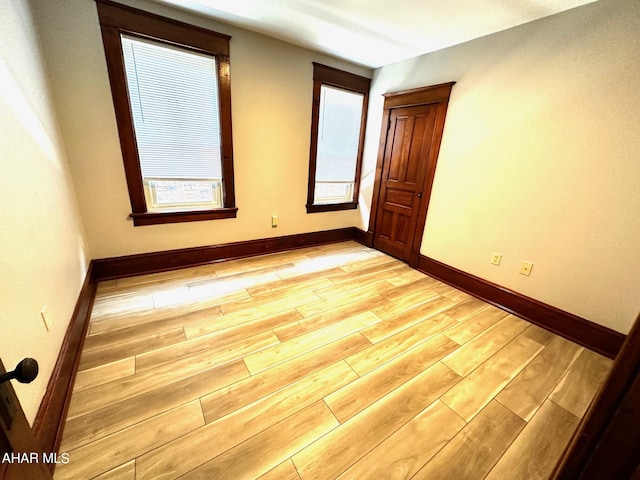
x: 174, y: 102
x: 333, y: 192
x: 191, y: 194
x: 338, y: 139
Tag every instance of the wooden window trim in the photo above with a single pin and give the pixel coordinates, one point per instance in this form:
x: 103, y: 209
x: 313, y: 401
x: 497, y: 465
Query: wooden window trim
x: 116, y: 19
x: 324, y: 75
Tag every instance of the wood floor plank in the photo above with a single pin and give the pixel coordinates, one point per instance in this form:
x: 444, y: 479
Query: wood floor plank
x: 368, y: 260
x: 356, y: 284
x: 343, y: 298
x: 260, y: 262
x: 407, y: 319
x: 281, y: 352
x: 244, y: 392
x: 103, y: 339
x: 177, y: 295
x: 345, y: 445
x: 284, y: 471
x: 126, y: 471
x: 117, y: 322
x: 124, y: 304
x: 154, y: 286
x: 540, y: 335
x: 467, y: 308
x: 347, y: 245
x: 158, y: 277
x: 104, y: 374
x: 474, y: 325
x: 407, y: 302
x: 225, y: 433
x: 452, y: 293
x: 105, y: 454
x: 105, y: 287
x: 231, y: 268
x: 87, y: 428
x: 244, y: 316
x: 285, y: 401
x: 527, y: 392
x: 328, y: 260
x: 329, y: 317
x: 246, y: 280
x: 478, y: 388
x: 159, y: 286
x: 275, y: 259
x: 359, y: 394
x: 535, y: 452
x: 405, y: 276
x: 477, y: 448
x: 312, y: 281
x: 253, y: 327
x: 269, y: 448
x: 389, y: 348
x: 402, y: 454
x: 98, y: 397
x: 581, y: 383
x: 275, y: 302
x: 379, y: 268
x: 100, y: 356
x: 468, y: 357
x: 426, y: 283
x: 220, y: 350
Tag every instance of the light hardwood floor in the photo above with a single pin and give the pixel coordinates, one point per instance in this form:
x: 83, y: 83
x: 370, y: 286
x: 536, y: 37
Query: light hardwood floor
x: 328, y: 362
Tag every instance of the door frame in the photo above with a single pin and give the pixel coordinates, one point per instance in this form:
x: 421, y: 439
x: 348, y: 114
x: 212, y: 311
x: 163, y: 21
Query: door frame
x: 409, y: 98
x: 605, y: 445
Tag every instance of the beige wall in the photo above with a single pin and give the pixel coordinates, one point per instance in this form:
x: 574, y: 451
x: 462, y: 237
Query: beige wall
x: 271, y: 89
x: 44, y: 258
x: 539, y: 159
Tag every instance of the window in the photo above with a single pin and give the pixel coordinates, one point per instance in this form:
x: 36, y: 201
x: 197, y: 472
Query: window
x: 171, y: 94
x: 337, y: 135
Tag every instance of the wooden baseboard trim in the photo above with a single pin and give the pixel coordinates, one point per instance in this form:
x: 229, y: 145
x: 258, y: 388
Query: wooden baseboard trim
x: 49, y: 421
x: 365, y: 238
x: 130, y: 265
x: 584, y: 332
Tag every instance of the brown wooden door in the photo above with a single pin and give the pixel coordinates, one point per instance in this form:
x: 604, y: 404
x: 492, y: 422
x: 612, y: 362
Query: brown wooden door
x: 25, y: 458
x: 406, y: 160
x: 413, y: 123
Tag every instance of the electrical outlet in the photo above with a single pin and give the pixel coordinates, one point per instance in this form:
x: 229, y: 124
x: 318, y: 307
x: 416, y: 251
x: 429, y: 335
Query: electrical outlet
x: 495, y: 258
x: 46, y: 318
x: 525, y: 268
x: 274, y: 221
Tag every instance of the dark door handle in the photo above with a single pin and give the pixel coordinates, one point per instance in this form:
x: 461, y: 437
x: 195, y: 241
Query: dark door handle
x: 419, y: 194
x: 25, y: 372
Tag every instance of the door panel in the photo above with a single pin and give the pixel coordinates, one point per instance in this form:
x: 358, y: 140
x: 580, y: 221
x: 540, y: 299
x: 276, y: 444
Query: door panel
x: 18, y: 439
x: 405, y: 165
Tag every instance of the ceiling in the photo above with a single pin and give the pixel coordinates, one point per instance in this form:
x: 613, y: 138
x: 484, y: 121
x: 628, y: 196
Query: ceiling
x: 376, y: 32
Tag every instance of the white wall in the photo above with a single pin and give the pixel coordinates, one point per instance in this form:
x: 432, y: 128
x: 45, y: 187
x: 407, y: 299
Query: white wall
x: 271, y: 92
x: 44, y: 257
x: 539, y: 159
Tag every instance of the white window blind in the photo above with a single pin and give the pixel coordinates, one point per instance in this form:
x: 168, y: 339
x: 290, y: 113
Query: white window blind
x: 174, y: 102
x: 338, y: 135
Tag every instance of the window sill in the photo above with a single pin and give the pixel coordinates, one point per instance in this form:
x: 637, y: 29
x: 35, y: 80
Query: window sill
x: 331, y: 207
x: 156, y: 218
